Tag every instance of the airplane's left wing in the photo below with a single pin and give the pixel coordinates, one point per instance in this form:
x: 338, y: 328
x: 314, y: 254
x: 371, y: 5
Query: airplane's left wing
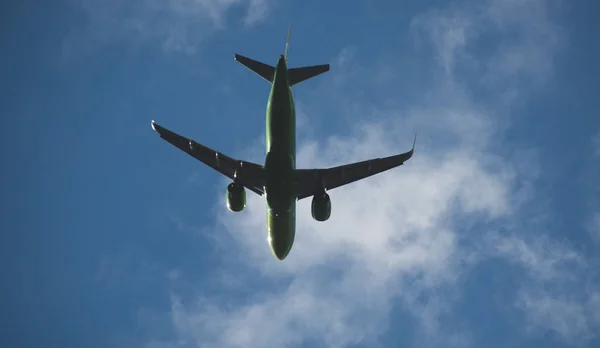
x: 250, y: 175
x: 311, y: 181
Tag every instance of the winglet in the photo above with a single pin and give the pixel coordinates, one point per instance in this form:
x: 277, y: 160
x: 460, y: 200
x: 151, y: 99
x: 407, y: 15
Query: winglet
x: 414, y: 141
x: 153, y: 128
x: 287, y: 42
x: 407, y: 155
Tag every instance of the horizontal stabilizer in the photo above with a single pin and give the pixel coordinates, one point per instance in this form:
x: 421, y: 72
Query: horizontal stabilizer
x: 297, y: 75
x: 263, y: 70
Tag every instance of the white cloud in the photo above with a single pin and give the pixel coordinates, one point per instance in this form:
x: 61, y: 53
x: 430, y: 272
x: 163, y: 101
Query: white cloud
x: 449, y: 32
x: 176, y: 25
x: 390, y: 238
x: 558, y: 294
x: 257, y: 11
x: 544, y: 258
x: 399, y: 237
x: 573, y: 318
x: 521, y: 57
x: 535, y: 39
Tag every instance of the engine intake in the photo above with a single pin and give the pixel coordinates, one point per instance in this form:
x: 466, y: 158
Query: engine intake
x: 236, y: 197
x: 321, y: 207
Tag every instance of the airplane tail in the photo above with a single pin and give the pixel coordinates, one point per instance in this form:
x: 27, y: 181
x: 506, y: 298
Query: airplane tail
x: 295, y: 75
x: 287, y: 43
x: 263, y: 70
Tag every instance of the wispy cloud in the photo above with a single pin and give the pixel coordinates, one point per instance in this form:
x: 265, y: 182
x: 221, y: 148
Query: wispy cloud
x: 593, y: 227
x: 176, y: 25
x: 559, y: 291
x: 525, y: 41
x: 574, y: 317
x: 406, y: 240
x: 559, y: 294
x: 543, y: 258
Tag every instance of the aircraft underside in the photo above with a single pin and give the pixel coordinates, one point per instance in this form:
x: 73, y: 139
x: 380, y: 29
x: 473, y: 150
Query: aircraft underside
x: 278, y: 179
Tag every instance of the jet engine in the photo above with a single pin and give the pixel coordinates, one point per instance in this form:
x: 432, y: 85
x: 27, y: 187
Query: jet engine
x: 321, y: 206
x: 236, y: 197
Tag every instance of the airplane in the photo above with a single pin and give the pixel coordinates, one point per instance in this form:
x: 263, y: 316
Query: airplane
x: 278, y: 180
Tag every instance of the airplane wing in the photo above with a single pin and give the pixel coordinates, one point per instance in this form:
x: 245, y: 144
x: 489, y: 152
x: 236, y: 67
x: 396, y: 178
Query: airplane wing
x: 249, y: 174
x: 310, y: 181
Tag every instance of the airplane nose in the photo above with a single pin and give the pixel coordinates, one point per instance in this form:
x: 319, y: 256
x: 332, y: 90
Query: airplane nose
x: 280, y: 233
x: 280, y: 250
x: 280, y: 246
x: 281, y: 256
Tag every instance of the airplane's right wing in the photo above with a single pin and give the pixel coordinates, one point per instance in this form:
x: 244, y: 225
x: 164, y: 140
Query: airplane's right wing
x: 248, y: 174
x: 311, y: 181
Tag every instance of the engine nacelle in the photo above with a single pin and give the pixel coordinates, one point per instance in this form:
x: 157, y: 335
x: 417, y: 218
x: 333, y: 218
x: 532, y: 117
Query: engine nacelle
x: 236, y: 197
x: 321, y: 206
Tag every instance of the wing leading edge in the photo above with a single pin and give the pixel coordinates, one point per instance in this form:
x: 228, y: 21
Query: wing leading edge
x: 311, y: 181
x: 250, y: 175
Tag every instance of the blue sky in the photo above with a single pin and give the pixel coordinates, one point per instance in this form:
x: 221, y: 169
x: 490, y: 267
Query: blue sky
x: 489, y: 237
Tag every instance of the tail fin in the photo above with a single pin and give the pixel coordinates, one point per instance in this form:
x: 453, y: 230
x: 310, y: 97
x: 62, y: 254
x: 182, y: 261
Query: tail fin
x: 295, y: 75
x: 287, y: 43
x: 263, y: 70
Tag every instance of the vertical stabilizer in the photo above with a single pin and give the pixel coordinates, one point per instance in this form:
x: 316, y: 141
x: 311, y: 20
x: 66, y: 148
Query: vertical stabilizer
x: 287, y: 42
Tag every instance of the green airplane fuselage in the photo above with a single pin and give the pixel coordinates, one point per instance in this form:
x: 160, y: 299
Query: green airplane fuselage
x: 280, y: 164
